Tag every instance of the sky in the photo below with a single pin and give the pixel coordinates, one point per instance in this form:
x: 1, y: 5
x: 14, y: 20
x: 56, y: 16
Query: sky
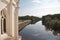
x: 39, y: 7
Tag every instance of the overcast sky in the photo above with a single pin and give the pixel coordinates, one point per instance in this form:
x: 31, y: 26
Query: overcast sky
x: 39, y: 7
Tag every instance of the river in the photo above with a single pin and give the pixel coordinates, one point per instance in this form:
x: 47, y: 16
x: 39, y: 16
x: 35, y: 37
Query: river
x: 37, y: 32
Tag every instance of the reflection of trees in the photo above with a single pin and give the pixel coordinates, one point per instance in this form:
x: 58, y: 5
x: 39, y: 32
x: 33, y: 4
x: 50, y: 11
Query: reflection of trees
x: 55, y: 33
x: 55, y: 28
x: 34, y: 21
x: 52, y: 23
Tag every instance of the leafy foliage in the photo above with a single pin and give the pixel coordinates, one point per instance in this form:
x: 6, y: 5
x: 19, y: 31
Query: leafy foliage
x: 33, y: 19
x: 52, y: 22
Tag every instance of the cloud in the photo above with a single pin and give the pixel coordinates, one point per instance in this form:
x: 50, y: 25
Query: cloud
x: 43, y: 7
x: 36, y: 1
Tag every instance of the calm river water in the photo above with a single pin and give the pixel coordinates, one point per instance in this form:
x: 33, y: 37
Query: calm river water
x: 37, y: 32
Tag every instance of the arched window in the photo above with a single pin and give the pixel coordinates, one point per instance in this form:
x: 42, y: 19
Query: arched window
x: 3, y: 22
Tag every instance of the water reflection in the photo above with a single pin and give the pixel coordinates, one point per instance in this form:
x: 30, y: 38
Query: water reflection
x: 37, y: 32
x: 55, y: 30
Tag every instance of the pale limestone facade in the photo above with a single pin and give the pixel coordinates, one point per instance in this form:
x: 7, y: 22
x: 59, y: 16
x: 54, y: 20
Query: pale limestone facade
x: 9, y: 19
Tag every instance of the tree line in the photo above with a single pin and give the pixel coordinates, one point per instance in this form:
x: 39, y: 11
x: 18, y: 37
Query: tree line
x: 33, y: 19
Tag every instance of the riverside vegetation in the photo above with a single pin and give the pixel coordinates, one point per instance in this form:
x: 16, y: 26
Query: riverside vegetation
x: 26, y: 18
x: 52, y: 22
x: 33, y: 19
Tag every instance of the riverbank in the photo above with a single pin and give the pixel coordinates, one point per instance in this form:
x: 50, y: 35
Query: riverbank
x: 24, y: 23
x: 52, y: 22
